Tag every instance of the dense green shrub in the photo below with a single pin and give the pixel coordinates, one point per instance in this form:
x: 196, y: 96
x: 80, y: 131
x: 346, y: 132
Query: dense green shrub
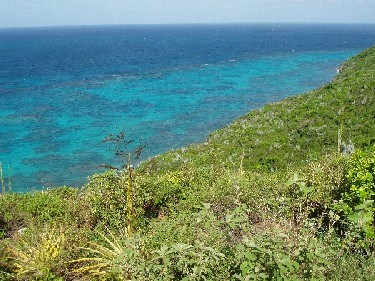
x: 188, y: 262
x: 347, y: 266
x: 164, y: 189
x: 277, y: 257
x: 106, y: 195
x: 358, y: 197
x: 61, y: 205
x: 361, y: 179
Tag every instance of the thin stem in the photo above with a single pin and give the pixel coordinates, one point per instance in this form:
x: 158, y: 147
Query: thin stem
x: 2, y: 179
x: 129, y: 196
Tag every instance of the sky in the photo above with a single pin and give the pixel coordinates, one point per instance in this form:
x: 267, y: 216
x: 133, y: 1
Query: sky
x: 30, y: 13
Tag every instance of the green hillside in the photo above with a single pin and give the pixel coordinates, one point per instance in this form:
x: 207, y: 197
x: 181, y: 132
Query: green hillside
x: 295, y: 130
x: 276, y: 195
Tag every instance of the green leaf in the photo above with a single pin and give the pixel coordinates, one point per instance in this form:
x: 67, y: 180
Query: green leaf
x: 250, y: 256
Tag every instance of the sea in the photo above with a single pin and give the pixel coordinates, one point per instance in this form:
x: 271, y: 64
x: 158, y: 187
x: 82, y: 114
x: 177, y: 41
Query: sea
x: 64, y: 90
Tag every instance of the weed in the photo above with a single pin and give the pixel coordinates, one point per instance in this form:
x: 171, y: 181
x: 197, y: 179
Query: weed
x: 121, y: 149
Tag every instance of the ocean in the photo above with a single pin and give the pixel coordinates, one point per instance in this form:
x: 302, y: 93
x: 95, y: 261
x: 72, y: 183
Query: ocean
x: 64, y: 89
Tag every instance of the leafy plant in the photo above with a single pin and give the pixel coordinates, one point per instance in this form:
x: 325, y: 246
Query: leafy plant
x: 278, y: 258
x: 361, y: 178
x: 188, y: 262
x: 358, y: 198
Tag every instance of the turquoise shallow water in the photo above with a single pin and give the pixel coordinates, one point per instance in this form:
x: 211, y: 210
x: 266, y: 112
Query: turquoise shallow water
x: 52, y: 125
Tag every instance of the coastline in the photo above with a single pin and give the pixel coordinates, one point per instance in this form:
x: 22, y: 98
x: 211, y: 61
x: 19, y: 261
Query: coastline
x: 271, y: 184
x: 285, y: 107
x: 168, y: 100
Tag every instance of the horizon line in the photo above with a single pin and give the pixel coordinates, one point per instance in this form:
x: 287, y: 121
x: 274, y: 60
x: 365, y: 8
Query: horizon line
x: 185, y: 24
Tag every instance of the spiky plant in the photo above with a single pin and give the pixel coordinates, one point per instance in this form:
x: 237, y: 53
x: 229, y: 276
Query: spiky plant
x: 38, y: 257
x: 101, y: 259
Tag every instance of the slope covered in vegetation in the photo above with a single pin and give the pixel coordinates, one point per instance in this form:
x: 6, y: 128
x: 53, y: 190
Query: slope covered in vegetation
x: 277, y: 194
x: 297, y: 129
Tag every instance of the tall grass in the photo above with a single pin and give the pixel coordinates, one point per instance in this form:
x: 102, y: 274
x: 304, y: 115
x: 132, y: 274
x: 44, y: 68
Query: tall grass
x: 3, y: 183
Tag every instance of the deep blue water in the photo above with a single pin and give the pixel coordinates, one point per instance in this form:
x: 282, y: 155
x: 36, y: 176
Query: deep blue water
x: 64, y: 89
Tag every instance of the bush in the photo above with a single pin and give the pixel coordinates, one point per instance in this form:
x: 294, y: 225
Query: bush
x: 61, y: 205
x: 277, y: 257
x: 361, y: 179
x: 358, y: 198
x: 188, y: 262
x: 106, y: 195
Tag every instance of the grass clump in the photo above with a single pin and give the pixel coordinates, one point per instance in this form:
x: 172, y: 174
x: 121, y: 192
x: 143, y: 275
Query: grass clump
x: 36, y: 257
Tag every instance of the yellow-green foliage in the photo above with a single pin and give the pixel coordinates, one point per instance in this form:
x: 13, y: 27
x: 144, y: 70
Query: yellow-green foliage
x: 361, y: 178
x: 164, y: 188
x: 103, y: 258
x: 110, y: 258
x: 358, y: 196
x: 37, y: 257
